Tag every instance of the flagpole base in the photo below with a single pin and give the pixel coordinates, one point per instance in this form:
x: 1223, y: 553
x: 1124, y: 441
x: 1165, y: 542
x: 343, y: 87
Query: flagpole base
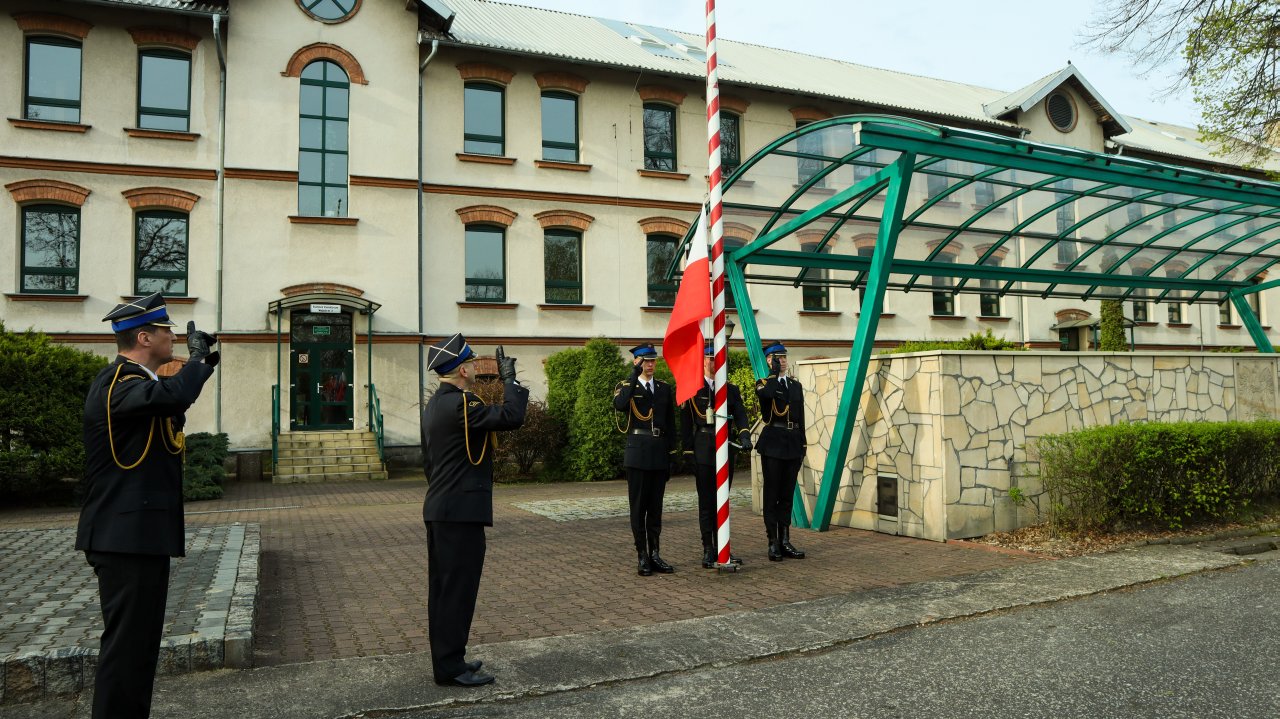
x: 727, y: 567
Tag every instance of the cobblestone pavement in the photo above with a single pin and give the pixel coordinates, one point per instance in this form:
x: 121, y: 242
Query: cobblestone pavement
x: 343, y: 565
x: 50, y: 620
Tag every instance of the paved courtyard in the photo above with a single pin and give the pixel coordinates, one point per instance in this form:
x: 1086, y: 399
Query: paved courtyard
x: 343, y: 565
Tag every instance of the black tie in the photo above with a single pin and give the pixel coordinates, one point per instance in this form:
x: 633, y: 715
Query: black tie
x: 784, y: 382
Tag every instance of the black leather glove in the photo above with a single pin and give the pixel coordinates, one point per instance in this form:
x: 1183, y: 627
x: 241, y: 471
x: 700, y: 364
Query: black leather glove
x: 636, y: 369
x: 198, y: 344
x: 506, y: 365
x: 744, y: 440
x: 775, y: 366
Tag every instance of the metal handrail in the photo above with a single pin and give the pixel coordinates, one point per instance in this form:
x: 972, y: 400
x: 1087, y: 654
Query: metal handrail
x: 275, y: 427
x: 375, y: 419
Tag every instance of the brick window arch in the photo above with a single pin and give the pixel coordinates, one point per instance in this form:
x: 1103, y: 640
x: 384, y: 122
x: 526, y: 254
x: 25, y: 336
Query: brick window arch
x: 661, y: 93
x: 487, y: 215
x: 45, y: 23
x: 325, y: 51
x: 485, y: 71
x: 664, y: 225
x: 808, y: 113
x: 47, y: 191
x: 564, y: 219
x: 145, y: 198
x: 164, y: 37
x: 738, y: 231
x: 561, y: 81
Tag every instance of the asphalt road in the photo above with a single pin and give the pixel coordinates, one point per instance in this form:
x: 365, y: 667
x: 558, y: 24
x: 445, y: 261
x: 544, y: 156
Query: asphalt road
x: 1198, y: 647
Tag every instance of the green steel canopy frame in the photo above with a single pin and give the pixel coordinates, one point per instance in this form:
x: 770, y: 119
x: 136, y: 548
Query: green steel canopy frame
x: 1037, y: 220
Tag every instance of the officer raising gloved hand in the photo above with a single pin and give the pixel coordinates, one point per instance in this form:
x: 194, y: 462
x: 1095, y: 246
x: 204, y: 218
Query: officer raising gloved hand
x: 198, y: 344
x: 506, y: 366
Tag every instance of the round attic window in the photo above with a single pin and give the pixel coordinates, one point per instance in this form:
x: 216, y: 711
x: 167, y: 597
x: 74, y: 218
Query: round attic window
x: 330, y: 10
x: 1062, y: 111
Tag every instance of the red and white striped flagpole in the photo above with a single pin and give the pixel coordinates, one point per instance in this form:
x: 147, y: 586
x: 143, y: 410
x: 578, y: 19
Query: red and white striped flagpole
x: 717, y: 293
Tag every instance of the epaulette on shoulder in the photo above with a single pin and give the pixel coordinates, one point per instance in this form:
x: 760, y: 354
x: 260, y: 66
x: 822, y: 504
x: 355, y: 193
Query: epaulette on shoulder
x: 127, y: 377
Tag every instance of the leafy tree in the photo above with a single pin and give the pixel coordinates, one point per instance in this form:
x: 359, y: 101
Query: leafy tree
x: 1225, y: 51
x: 1111, y: 327
x: 42, y: 391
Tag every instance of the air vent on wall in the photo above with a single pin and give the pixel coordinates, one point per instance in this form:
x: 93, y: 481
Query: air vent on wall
x: 1062, y: 111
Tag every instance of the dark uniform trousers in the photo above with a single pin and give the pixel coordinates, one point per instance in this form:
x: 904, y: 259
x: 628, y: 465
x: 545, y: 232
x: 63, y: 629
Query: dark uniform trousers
x: 648, y: 457
x: 781, y: 446
x: 457, y: 457
x: 699, y: 436
x: 131, y: 522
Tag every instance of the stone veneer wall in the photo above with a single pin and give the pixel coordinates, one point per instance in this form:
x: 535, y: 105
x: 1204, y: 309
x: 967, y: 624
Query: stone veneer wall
x: 953, y: 428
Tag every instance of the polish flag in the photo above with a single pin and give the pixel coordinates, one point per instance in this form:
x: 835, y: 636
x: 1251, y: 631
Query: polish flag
x: 682, y: 346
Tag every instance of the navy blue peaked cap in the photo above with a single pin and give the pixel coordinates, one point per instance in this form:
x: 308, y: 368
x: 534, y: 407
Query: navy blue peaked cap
x: 645, y: 351
x: 776, y: 348
x: 149, y: 310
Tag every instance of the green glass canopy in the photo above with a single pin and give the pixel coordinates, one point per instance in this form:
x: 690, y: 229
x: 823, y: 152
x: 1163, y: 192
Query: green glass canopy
x: 887, y: 203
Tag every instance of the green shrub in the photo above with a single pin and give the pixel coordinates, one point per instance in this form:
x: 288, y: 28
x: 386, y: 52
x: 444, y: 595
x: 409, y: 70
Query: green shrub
x: 42, y: 391
x: 976, y: 341
x: 1158, y: 474
x: 562, y: 370
x: 595, y: 444
x: 202, y: 473
x: 540, y: 439
x: 1111, y: 327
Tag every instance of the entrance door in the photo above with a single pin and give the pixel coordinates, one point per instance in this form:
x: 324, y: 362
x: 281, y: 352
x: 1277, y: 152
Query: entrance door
x: 320, y: 373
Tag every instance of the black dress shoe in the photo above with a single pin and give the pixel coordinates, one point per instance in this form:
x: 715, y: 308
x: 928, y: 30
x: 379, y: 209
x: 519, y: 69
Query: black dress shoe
x: 474, y: 666
x: 708, y: 558
x: 644, y: 568
x: 468, y: 678
x: 660, y: 565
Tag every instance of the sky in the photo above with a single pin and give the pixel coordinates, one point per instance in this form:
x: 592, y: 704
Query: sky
x: 999, y: 44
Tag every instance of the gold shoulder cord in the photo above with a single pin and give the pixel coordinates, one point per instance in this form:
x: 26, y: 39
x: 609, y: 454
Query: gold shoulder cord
x: 466, y: 434
x: 635, y: 412
x: 776, y: 413
x: 111, y: 437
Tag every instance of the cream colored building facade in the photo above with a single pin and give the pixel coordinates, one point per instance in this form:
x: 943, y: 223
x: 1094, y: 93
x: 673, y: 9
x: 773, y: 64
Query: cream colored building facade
x: 377, y: 93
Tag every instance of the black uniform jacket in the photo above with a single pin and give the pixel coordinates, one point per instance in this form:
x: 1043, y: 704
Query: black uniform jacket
x: 697, y: 435
x: 136, y: 510
x: 457, y: 451
x: 778, y: 406
x: 650, y: 424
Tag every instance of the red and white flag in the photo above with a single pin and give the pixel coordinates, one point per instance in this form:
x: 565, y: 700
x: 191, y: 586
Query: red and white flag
x: 682, y: 346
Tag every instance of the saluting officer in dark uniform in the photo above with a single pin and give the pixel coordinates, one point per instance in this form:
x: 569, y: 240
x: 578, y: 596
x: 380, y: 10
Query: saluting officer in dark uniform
x: 698, y: 438
x: 131, y: 522
x: 650, y: 426
x: 781, y: 448
x: 457, y: 456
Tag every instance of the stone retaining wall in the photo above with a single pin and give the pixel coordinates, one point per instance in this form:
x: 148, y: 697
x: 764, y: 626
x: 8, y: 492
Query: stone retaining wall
x: 953, y: 429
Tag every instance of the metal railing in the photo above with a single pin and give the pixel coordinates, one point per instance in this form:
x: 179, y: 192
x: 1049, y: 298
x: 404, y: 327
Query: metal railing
x: 275, y: 427
x: 375, y: 419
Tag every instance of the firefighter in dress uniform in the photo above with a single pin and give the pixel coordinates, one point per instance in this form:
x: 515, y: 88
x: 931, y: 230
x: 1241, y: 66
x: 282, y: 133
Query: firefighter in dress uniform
x: 698, y: 438
x: 781, y: 447
x: 650, y: 426
x: 457, y: 457
x: 131, y: 522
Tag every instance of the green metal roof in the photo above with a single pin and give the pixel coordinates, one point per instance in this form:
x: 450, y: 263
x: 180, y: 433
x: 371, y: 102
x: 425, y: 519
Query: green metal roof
x: 1001, y: 216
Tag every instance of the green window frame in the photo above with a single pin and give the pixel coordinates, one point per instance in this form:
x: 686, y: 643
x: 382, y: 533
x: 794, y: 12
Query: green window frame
x: 329, y: 10
x: 660, y: 250
x: 1175, y: 313
x: 484, y: 119
x: 51, y: 84
x: 1065, y: 216
x: 989, y: 302
x: 659, y: 137
x: 562, y: 266
x: 730, y: 142
x: 50, y: 250
x: 984, y: 193
x: 1140, y: 307
x: 1224, y: 312
x: 164, y: 90
x: 323, y: 128
x: 807, y: 167
x: 862, y: 289
x: 486, y: 263
x: 944, y: 303
x: 815, y: 298
x: 559, y: 127
x: 160, y: 242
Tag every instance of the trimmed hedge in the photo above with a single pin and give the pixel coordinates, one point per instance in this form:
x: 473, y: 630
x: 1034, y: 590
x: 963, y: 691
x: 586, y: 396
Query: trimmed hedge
x: 42, y: 392
x: 202, y: 473
x: 1158, y: 474
x: 975, y: 341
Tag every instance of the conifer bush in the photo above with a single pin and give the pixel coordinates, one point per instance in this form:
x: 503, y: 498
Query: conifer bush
x: 202, y: 473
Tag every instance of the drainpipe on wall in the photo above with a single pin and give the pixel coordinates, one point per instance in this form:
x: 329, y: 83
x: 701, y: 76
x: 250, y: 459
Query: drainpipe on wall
x: 219, y: 195
x: 422, y: 299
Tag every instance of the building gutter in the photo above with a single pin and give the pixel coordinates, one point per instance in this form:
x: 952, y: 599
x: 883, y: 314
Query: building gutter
x: 170, y: 10
x: 422, y: 289
x: 220, y: 195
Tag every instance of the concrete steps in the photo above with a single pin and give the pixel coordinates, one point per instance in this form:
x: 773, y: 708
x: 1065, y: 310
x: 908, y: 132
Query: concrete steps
x: 339, y: 455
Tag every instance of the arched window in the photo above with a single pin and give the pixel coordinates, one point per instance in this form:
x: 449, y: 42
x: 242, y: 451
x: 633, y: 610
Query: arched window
x: 164, y: 89
x: 322, y: 140
x: 53, y: 79
x: 50, y: 249
x: 659, y: 137
x: 160, y: 252
x: 483, y: 119
x: 559, y: 126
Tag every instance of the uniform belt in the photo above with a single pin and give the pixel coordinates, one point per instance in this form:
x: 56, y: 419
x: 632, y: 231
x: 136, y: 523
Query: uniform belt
x: 648, y: 431
x: 785, y: 425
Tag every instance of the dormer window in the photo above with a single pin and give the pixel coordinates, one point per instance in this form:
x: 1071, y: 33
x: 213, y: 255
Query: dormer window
x: 1062, y: 111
